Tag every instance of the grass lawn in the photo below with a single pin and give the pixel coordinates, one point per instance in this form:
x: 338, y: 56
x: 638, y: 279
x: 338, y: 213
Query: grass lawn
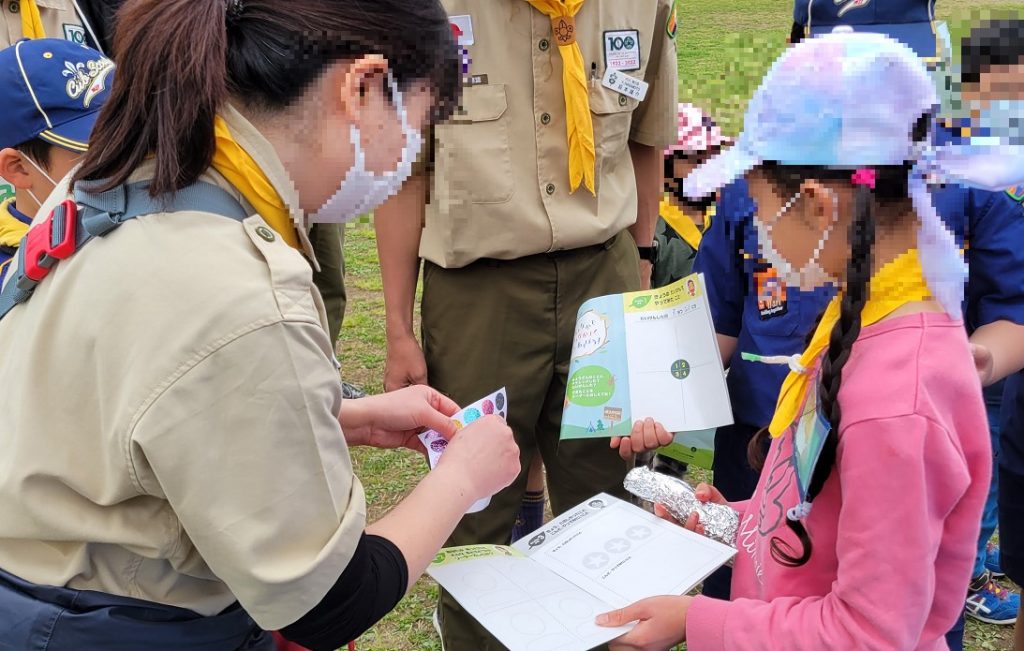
x: 724, y: 48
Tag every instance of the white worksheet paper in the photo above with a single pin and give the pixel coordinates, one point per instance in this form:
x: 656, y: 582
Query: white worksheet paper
x: 543, y: 592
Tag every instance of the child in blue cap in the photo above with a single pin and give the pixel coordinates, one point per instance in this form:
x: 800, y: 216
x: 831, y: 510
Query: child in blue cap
x: 880, y: 423
x: 52, y: 91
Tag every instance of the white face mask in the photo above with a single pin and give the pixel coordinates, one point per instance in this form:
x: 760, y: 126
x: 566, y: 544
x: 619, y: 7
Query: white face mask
x: 812, y: 274
x: 361, y: 191
x: 39, y: 204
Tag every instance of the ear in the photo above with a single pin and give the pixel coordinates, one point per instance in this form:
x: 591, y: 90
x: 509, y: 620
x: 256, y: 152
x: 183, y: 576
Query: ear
x: 14, y: 169
x: 357, y: 81
x: 821, y: 204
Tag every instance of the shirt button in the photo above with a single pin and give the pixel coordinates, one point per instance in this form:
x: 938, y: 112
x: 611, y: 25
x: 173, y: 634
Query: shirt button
x: 265, y: 233
x: 543, y: 45
x: 622, y: 100
x: 550, y: 188
x: 14, y: 7
x: 545, y: 118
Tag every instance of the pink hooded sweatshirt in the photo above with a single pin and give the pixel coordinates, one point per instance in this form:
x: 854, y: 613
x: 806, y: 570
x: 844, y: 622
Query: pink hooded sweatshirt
x: 895, y: 528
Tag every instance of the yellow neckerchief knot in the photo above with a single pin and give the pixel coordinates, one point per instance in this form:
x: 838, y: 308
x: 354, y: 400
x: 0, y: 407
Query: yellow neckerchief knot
x: 682, y: 224
x: 241, y: 171
x: 12, y: 229
x: 899, y: 282
x: 579, y: 124
x: 31, y: 22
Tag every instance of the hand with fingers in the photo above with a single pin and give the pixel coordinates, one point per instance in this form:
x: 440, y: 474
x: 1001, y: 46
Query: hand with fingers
x: 661, y: 624
x: 647, y: 434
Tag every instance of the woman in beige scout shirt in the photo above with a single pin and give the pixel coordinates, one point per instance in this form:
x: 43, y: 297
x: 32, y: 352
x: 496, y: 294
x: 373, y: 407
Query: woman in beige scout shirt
x: 175, y: 470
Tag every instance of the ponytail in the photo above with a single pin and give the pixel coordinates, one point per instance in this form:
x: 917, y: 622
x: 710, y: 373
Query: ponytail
x: 171, y: 79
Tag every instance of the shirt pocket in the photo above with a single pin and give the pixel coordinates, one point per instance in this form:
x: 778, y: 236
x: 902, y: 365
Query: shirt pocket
x: 474, y: 146
x: 612, y: 114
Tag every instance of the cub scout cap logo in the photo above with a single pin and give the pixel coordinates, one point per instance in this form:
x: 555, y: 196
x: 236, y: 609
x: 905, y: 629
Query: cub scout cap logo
x: 54, y: 90
x: 87, y: 80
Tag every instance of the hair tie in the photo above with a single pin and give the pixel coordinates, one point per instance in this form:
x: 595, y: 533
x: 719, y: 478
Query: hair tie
x: 864, y: 176
x: 234, y: 11
x: 799, y: 512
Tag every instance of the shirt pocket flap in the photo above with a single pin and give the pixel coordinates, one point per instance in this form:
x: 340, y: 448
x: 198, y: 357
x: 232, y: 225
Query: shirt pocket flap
x: 484, y: 103
x: 604, y: 101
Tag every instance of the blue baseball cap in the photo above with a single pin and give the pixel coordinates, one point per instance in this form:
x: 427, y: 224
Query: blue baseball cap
x: 52, y: 90
x: 844, y: 100
x: 911, y: 22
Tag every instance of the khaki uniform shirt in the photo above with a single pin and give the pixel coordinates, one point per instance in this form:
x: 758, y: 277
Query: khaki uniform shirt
x: 501, y: 174
x: 60, y: 20
x: 170, y: 431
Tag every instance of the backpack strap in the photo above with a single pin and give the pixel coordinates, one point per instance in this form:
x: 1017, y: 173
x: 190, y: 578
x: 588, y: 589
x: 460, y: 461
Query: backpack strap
x: 95, y: 214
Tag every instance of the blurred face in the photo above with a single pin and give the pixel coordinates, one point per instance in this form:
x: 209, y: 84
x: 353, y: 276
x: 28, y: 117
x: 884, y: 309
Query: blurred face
x: 812, y: 229
x: 1003, y: 82
x: 349, y: 144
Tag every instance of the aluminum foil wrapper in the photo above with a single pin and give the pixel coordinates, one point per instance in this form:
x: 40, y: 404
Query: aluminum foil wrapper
x: 720, y: 521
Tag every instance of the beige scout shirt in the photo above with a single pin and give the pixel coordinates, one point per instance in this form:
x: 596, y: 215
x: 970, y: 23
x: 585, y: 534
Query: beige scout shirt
x: 501, y: 171
x: 170, y: 429
x: 60, y: 20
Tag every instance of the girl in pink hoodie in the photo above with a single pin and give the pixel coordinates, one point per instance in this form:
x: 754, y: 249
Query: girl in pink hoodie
x: 880, y: 425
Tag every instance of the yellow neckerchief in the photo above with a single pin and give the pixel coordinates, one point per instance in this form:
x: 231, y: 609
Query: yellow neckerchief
x: 31, y: 22
x: 580, y: 126
x: 241, y: 171
x: 11, y: 228
x: 682, y: 224
x: 897, y: 283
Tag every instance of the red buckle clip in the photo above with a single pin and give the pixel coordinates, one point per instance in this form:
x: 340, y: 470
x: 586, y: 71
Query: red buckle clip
x: 42, y: 250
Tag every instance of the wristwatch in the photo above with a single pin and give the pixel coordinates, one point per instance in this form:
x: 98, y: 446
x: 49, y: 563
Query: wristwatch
x: 649, y: 253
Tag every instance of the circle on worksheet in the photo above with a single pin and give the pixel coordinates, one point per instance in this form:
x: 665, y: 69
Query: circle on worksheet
x: 471, y: 415
x: 439, y: 445
x: 680, y: 369
x: 502, y: 414
x: 499, y: 401
x: 458, y: 425
x: 487, y: 407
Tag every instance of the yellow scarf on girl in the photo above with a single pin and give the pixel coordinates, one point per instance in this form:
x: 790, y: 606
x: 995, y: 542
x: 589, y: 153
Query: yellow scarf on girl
x: 897, y: 283
x: 238, y: 167
x: 31, y: 22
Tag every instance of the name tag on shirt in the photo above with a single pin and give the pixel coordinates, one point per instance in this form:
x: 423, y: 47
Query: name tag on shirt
x: 771, y: 294
x: 622, y: 50
x: 623, y: 84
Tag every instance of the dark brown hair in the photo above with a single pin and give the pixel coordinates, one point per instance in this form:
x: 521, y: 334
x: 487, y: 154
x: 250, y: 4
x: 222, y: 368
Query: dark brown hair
x: 38, y: 150
x: 178, y: 61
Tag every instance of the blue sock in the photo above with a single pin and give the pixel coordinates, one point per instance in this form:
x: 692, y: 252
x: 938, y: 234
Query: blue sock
x: 531, y: 515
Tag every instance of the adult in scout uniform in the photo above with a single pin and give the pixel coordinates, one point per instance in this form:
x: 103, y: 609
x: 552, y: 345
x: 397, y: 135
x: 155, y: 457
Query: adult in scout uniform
x: 760, y: 306
x: 328, y: 240
x: 47, y: 128
x: 39, y: 19
x: 553, y: 155
x: 194, y: 484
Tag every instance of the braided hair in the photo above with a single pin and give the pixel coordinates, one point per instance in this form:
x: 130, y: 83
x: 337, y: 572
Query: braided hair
x: 886, y: 202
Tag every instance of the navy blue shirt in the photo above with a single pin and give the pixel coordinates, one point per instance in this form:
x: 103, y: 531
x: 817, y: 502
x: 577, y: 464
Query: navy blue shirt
x: 991, y: 224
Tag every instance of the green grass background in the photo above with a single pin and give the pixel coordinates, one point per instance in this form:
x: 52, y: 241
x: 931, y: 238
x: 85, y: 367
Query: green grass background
x: 724, y: 48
